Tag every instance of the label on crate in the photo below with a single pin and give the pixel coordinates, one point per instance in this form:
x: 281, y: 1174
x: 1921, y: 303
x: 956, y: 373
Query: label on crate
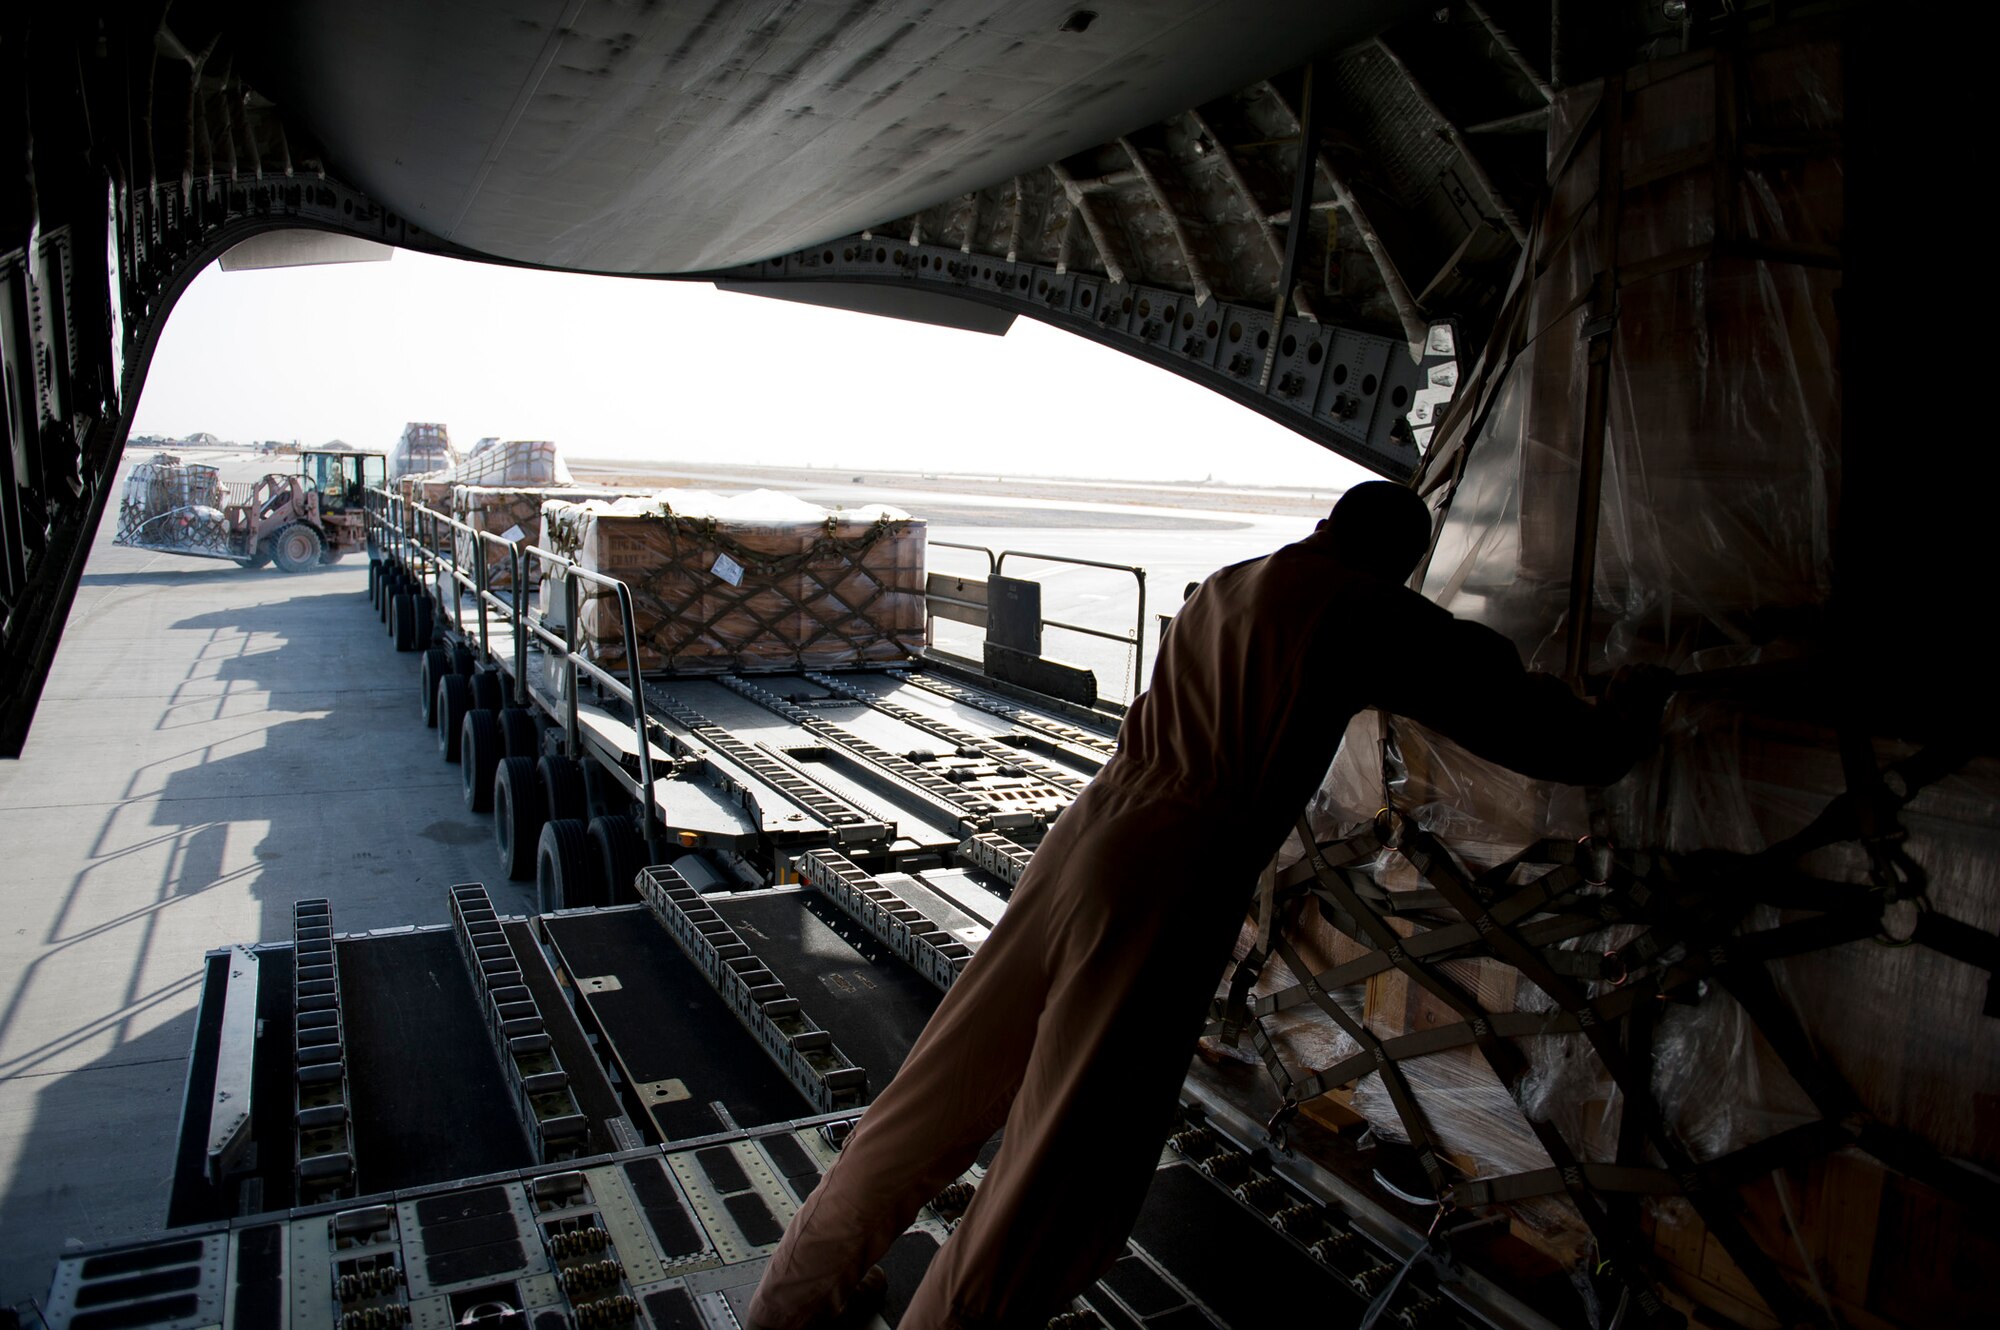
x: 728, y: 570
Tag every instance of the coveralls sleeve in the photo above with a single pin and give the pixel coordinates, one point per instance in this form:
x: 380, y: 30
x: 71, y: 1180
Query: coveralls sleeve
x: 1466, y: 681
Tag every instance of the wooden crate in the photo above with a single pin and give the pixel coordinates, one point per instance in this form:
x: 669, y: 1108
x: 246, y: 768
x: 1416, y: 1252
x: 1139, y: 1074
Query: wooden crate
x: 715, y: 595
x: 513, y: 513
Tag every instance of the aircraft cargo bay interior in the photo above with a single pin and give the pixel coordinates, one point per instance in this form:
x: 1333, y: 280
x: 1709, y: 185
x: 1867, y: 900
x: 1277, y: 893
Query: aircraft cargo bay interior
x: 885, y: 810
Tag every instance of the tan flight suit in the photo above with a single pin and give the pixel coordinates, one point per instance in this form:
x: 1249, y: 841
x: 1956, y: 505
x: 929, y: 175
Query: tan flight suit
x: 1072, y: 1026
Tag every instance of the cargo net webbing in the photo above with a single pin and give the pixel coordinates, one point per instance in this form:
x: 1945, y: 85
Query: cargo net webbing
x: 817, y: 604
x: 196, y: 528
x: 1681, y: 918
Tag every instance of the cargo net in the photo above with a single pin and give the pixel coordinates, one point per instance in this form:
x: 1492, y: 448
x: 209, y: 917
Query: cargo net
x: 1599, y: 947
x: 174, y: 506
x: 826, y: 603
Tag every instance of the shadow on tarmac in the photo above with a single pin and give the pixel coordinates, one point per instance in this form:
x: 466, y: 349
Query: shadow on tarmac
x: 346, y: 791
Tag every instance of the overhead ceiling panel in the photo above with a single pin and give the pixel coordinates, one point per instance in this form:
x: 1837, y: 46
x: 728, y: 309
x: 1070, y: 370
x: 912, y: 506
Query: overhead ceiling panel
x: 650, y: 137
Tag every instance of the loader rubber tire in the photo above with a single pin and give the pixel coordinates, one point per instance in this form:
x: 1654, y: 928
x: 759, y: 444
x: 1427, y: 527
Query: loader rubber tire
x: 617, y: 852
x: 478, y: 758
x: 296, y: 548
x: 602, y: 794
x: 520, y: 733
x: 426, y: 622
x: 404, y: 610
x: 489, y: 690
x: 562, y: 868
x: 261, y: 556
x: 462, y: 659
x: 454, y: 699
x: 430, y: 672
x: 374, y: 581
x: 562, y: 781
x: 517, y: 817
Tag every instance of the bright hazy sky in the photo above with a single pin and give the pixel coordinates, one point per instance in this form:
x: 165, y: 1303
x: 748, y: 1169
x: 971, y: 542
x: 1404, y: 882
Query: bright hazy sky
x: 675, y: 371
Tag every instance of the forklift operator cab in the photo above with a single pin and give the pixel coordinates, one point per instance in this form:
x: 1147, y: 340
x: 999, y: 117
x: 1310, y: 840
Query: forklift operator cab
x: 341, y: 478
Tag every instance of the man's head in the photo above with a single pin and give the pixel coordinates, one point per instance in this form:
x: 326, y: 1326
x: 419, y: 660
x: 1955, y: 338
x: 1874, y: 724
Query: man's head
x: 1380, y: 529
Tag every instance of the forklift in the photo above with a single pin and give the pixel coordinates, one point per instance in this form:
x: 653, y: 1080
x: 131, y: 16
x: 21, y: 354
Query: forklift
x: 297, y: 520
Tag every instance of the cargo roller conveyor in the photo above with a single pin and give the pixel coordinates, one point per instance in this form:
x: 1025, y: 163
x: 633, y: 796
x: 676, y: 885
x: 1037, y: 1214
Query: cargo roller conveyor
x: 931, y: 927
x: 676, y: 1234
x: 1073, y: 741
x: 685, y: 1066
x: 1023, y: 805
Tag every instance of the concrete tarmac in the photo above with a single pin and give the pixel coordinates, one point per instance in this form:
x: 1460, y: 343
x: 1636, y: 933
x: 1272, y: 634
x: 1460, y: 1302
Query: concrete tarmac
x: 213, y: 744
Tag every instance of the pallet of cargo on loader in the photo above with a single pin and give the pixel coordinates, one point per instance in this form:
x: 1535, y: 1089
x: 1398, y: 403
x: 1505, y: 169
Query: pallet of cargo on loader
x: 757, y: 582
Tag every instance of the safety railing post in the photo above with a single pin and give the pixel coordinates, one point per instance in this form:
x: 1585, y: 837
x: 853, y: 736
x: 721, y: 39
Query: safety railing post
x: 930, y: 619
x: 518, y: 562
x: 571, y: 734
x: 1139, y: 638
x: 638, y: 685
x: 631, y: 688
x: 479, y: 593
x: 457, y: 577
x: 1136, y: 640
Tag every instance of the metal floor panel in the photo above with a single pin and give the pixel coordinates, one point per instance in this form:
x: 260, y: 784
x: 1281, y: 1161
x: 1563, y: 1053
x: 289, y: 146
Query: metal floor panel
x: 982, y: 897
x: 875, y: 793
x: 688, y: 1228
x: 984, y: 723
x: 430, y: 1101
x: 664, y: 1023
x: 872, y: 1004
x: 937, y: 908
x: 1231, y: 1262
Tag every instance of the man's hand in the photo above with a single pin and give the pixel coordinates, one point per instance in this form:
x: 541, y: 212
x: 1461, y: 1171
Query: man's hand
x: 1637, y: 696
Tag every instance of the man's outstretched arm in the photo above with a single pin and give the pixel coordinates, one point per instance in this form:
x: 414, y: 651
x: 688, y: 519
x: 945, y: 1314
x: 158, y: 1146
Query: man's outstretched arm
x: 1466, y: 681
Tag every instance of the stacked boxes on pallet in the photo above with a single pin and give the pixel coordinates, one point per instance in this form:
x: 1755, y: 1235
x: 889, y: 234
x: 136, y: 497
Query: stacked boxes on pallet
x: 514, y: 513
x: 758, y: 581
x: 1719, y: 501
x: 1808, y: 1077
x: 423, y: 446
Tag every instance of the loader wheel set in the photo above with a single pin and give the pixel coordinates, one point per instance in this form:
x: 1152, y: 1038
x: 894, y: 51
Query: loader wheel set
x: 558, y: 820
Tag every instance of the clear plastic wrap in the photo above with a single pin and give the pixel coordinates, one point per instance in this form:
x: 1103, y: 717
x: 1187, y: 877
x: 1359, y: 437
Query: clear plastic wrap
x: 507, y: 464
x: 423, y: 447
x: 1722, y: 431
x: 1720, y: 485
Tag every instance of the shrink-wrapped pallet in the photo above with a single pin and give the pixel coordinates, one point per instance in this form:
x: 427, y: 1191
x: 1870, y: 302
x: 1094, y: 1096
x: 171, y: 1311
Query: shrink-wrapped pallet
x: 164, y: 484
x: 511, y: 462
x: 423, y: 446
x: 758, y: 581
x: 1721, y: 476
